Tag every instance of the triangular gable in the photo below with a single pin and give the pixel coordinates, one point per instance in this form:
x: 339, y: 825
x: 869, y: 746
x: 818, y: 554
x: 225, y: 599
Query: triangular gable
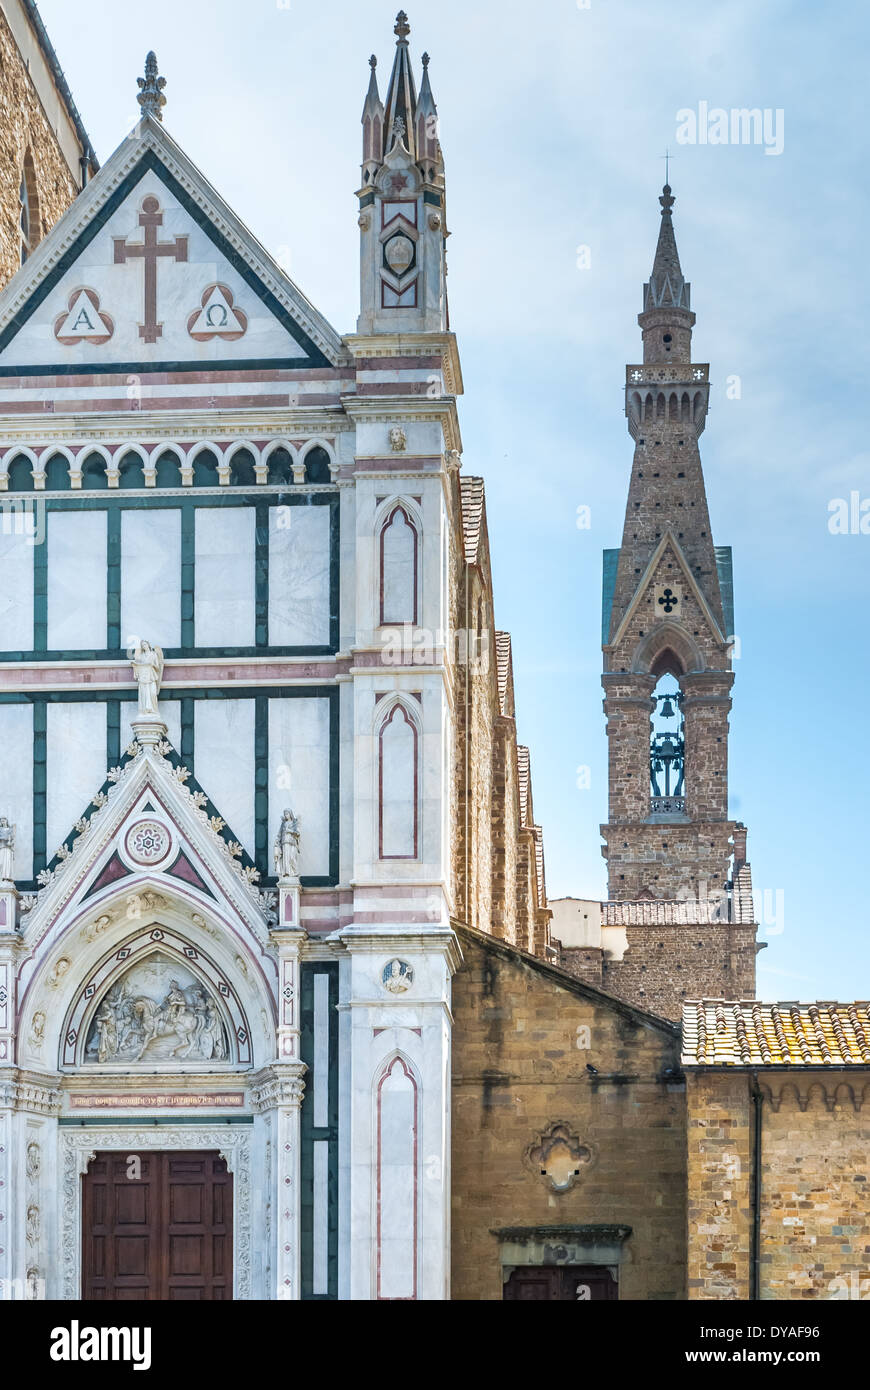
x: 150, y: 817
x: 81, y: 302
x: 668, y: 540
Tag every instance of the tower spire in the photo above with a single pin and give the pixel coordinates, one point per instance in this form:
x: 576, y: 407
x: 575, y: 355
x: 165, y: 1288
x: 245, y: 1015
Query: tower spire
x: 151, y: 98
x: 401, y: 102
x: 666, y: 286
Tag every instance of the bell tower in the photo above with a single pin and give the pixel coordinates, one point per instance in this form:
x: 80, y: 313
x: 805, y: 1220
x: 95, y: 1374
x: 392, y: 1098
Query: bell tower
x: 675, y: 860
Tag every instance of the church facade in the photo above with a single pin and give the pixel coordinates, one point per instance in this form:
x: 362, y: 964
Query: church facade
x: 242, y: 638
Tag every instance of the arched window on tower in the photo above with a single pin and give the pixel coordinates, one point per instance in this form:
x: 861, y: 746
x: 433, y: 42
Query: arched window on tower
x: 398, y: 566
x: 667, y: 750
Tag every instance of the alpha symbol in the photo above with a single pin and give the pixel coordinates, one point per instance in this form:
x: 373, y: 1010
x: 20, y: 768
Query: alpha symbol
x: 217, y: 317
x: 149, y: 252
x: 83, y: 320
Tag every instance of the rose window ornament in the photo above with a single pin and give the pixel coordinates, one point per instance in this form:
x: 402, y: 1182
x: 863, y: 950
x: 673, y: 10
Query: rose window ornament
x: 147, y: 842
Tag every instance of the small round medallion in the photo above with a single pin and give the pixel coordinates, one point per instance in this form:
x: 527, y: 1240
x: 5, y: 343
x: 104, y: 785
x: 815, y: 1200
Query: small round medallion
x: 147, y: 842
x: 397, y: 976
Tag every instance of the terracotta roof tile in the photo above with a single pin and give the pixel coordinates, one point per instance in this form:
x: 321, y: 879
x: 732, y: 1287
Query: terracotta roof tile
x: 523, y: 782
x: 503, y: 667
x: 744, y: 1033
x: 472, y: 500
x: 539, y: 863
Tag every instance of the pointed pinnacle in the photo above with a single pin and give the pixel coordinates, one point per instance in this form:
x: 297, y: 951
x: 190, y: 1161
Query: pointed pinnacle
x: 151, y: 98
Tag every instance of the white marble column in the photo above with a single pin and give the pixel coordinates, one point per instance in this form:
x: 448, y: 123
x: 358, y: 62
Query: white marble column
x: 397, y: 1151
x: 278, y: 1100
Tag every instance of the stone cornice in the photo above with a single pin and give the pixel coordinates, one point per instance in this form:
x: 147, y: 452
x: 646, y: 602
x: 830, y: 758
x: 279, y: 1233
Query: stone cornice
x: 390, y: 409
x: 419, y: 938
x: 411, y: 345
x: 172, y: 425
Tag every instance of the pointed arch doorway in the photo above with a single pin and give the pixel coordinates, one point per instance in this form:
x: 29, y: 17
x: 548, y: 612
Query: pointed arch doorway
x: 157, y: 1225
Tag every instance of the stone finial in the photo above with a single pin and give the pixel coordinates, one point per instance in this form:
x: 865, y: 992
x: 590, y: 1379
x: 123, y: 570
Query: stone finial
x: 667, y: 200
x: 151, y: 98
x: 401, y: 28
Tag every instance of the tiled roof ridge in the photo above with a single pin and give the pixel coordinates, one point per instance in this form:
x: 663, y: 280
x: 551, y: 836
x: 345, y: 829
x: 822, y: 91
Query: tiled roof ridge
x: 524, y: 776
x: 503, y: 667
x: 750, y: 1032
x: 472, y: 502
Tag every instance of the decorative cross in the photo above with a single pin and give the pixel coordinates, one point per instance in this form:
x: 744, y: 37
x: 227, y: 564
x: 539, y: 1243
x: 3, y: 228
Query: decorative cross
x: 697, y: 374
x: 669, y: 600
x: 636, y: 375
x: 149, y: 251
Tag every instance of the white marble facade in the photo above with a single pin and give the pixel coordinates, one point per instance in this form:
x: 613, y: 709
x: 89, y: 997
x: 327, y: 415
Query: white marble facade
x: 151, y: 917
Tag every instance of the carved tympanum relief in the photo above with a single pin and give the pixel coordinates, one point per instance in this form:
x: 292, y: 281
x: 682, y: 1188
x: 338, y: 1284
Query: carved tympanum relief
x: 158, y: 1010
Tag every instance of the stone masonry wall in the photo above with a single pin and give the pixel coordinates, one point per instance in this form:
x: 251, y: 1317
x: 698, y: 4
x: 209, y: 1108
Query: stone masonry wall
x: 815, y: 1229
x: 664, y: 965
x: 26, y: 129
x: 495, y: 886
x: 517, y: 1069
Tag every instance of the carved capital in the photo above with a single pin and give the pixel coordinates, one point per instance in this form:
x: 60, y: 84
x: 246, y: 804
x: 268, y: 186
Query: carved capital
x: 279, y: 1087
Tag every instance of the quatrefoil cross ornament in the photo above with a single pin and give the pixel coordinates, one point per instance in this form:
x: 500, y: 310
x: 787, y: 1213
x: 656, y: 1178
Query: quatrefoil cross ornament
x: 668, y: 601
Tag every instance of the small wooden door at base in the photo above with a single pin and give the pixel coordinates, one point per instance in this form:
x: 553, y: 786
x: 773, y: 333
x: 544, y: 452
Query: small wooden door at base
x: 157, y: 1226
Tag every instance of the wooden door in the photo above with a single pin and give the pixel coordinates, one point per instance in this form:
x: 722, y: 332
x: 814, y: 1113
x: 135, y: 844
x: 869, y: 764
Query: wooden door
x: 561, y: 1284
x: 159, y: 1227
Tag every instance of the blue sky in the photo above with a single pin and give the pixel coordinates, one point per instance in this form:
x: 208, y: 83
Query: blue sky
x: 553, y: 119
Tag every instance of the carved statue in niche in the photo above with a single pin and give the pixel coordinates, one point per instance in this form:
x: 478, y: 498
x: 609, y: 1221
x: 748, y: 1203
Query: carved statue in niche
x: 7, y: 848
x: 288, y: 847
x: 147, y: 663
x: 156, y: 1012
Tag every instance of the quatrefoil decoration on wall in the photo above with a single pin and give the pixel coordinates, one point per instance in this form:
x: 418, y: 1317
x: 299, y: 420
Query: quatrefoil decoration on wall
x: 668, y: 601
x: 558, y: 1156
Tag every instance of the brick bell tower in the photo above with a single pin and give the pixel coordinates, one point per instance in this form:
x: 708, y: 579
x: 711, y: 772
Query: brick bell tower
x: 679, y: 920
